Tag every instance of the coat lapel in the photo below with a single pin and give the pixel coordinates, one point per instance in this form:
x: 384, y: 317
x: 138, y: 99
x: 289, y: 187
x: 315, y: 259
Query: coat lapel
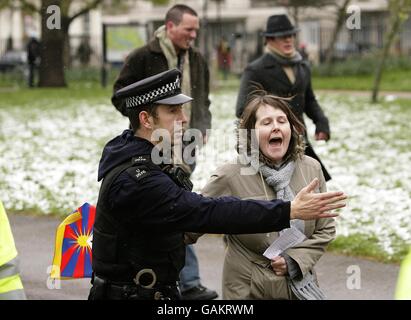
x: 298, y: 78
x: 278, y: 73
x: 155, y: 46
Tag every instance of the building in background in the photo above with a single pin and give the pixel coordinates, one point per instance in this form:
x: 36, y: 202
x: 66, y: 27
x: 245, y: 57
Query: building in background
x: 16, y: 27
x: 238, y: 21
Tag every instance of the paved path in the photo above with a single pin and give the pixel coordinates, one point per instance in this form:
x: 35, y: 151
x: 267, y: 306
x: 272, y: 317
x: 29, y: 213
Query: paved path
x: 34, y: 237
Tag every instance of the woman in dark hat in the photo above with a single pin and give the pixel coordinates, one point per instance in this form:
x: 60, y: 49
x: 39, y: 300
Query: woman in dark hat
x: 282, y: 71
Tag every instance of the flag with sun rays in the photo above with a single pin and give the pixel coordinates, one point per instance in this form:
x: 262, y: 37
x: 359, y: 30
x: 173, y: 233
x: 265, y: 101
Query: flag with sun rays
x: 72, y: 255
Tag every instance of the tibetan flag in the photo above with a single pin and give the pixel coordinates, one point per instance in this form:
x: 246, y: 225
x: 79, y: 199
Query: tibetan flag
x: 72, y: 255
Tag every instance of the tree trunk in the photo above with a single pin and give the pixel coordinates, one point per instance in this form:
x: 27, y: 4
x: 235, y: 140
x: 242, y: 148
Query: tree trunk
x: 51, y: 53
x: 341, y: 12
x: 394, y: 27
x: 295, y: 15
x: 67, y: 52
x: 55, y: 42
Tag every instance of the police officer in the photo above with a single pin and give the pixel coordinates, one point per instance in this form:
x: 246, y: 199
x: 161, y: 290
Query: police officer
x: 11, y: 287
x: 144, y: 207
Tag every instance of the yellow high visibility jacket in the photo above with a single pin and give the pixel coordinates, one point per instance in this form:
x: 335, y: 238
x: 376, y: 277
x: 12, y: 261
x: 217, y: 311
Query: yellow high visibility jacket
x: 403, y: 291
x: 11, y: 287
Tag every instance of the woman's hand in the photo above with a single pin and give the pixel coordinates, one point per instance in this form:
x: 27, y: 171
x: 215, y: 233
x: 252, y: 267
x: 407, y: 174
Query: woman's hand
x: 279, y: 266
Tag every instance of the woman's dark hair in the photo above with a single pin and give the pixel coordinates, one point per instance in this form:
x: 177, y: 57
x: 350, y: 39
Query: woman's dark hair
x: 249, y: 118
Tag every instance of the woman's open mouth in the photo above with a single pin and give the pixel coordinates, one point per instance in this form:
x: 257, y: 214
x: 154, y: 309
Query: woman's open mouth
x: 275, y: 142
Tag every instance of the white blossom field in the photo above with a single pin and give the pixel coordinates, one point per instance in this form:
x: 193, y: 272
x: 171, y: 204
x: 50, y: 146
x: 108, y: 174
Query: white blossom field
x: 49, y: 159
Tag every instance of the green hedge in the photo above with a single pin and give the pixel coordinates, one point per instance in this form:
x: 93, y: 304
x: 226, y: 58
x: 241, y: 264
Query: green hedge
x: 73, y: 76
x: 362, y: 66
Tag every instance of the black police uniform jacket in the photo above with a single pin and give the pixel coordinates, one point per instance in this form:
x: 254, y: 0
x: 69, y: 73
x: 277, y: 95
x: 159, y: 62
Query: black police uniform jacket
x: 142, y: 215
x: 150, y: 60
x: 268, y: 73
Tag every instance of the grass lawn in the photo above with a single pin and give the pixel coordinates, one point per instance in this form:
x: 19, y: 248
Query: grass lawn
x: 54, y: 98
x: 51, y: 142
x: 85, y: 83
x: 391, y: 81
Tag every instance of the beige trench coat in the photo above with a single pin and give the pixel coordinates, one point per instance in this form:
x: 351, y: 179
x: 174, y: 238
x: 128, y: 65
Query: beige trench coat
x: 247, y: 274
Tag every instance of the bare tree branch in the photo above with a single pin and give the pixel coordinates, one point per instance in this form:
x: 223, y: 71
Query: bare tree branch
x: 26, y: 5
x: 399, y: 12
x: 89, y: 5
x: 329, y: 52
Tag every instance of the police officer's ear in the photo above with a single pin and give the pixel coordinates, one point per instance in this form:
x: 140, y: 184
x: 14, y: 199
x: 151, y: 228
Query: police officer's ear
x: 146, y: 120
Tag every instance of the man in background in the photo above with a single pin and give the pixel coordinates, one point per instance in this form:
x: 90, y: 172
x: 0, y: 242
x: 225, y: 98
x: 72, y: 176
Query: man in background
x: 33, y: 57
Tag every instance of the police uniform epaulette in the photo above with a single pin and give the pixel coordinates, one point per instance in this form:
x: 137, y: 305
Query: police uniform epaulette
x: 141, y: 159
x: 141, y: 167
x: 139, y: 172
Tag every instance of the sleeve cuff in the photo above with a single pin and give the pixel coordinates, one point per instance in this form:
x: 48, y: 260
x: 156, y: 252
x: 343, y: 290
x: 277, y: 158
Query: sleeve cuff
x: 285, y: 218
x: 294, y: 270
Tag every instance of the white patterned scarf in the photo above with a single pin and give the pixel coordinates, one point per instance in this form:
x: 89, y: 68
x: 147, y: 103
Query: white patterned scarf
x: 279, y: 179
x: 172, y: 60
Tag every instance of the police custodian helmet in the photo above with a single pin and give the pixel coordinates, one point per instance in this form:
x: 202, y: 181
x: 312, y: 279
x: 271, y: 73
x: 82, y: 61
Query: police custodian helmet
x: 162, y: 88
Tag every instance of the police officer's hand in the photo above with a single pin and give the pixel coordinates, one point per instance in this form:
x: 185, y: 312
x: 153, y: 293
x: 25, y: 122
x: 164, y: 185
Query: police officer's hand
x: 308, y: 205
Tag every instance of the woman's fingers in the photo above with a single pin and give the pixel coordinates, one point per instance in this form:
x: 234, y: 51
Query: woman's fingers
x: 279, y: 265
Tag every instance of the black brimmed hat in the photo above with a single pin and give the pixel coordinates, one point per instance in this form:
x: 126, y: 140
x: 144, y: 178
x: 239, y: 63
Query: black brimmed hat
x: 162, y: 88
x: 279, y: 25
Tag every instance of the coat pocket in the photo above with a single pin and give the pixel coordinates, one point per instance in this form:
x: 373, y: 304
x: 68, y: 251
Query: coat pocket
x: 266, y: 285
x: 276, y: 287
x: 104, y: 246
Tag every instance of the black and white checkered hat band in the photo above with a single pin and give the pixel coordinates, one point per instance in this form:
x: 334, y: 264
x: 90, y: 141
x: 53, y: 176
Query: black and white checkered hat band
x: 154, y: 95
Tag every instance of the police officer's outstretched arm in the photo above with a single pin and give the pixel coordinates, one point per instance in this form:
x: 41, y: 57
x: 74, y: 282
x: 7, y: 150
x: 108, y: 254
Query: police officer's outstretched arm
x: 167, y: 206
x: 146, y: 197
x: 157, y: 203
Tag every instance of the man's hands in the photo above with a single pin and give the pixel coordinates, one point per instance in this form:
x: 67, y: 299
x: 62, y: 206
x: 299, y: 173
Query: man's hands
x: 308, y: 205
x: 321, y: 136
